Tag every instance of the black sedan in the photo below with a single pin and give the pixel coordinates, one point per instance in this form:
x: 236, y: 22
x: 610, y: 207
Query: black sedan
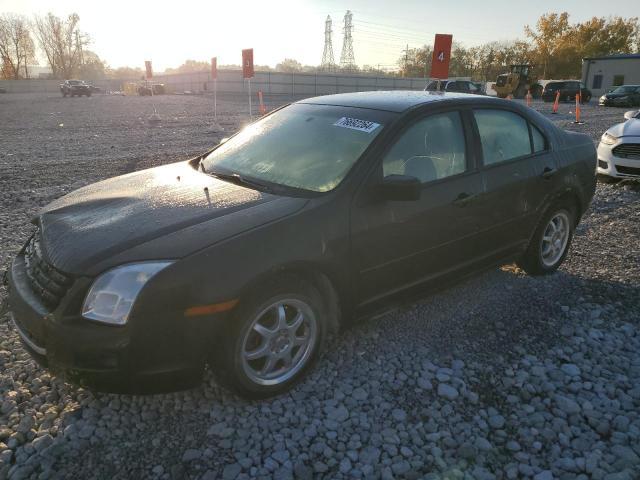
x: 75, y: 88
x: 567, y: 89
x: 623, y: 96
x: 326, y: 210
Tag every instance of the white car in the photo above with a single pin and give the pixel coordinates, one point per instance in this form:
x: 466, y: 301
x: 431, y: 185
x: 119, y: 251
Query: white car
x: 619, y: 149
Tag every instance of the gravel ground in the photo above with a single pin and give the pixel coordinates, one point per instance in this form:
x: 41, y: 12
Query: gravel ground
x: 502, y: 376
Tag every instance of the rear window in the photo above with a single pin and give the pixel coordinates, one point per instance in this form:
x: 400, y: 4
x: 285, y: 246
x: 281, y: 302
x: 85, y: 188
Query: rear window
x: 539, y: 142
x: 504, y: 135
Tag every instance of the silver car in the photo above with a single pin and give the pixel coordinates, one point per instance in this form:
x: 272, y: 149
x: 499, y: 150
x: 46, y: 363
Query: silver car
x: 619, y: 149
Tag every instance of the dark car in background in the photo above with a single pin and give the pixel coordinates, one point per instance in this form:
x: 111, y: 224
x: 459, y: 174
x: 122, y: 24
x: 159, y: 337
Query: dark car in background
x: 568, y: 90
x: 622, y: 96
x: 459, y: 86
x: 328, y: 209
x: 75, y: 88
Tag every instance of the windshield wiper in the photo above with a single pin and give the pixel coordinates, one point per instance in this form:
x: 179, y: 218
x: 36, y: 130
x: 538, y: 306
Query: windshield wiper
x: 240, y: 180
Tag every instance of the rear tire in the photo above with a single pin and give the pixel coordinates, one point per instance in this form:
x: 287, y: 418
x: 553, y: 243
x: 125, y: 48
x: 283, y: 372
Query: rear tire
x: 551, y: 241
x: 263, y: 353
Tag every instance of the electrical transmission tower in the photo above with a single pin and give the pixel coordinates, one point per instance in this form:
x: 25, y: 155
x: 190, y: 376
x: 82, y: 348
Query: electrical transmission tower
x: 347, y: 60
x: 328, y: 63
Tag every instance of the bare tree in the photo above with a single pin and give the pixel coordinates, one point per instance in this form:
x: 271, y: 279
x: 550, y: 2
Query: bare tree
x: 62, y: 43
x: 16, y: 46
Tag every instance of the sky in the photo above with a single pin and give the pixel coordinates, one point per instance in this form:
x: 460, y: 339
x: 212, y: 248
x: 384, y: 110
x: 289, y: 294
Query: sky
x: 127, y: 33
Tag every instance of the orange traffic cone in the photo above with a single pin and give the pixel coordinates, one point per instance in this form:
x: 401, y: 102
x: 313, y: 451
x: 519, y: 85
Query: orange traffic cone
x: 263, y: 109
x: 528, y: 98
x: 509, y: 97
x: 577, y: 108
x: 556, y: 103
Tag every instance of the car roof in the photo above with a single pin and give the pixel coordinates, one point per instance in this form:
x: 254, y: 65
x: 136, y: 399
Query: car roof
x: 396, y: 101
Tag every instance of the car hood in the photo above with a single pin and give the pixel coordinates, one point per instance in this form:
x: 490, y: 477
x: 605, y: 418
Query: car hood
x: 160, y: 209
x: 630, y: 128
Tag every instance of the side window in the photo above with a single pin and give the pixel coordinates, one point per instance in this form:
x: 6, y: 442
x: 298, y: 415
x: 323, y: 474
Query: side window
x: 504, y: 135
x: 432, y: 148
x: 539, y: 143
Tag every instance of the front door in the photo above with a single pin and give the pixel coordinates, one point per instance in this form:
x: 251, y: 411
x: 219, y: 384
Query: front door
x: 397, y: 244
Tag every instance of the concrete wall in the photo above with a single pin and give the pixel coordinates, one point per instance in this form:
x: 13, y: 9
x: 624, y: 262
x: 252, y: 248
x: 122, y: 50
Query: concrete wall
x: 608, y: 68
x: 231, y: 82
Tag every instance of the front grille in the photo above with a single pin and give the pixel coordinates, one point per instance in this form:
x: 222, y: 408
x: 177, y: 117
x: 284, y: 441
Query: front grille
x: 628, y: 170
x: 628, y: 150
x: 47, y: 282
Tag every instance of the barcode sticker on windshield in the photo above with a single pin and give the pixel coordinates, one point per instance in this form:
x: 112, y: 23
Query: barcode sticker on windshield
x: 355, y: 124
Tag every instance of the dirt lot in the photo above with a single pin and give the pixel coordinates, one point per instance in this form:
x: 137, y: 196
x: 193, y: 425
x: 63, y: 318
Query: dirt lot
x: 502, y: 376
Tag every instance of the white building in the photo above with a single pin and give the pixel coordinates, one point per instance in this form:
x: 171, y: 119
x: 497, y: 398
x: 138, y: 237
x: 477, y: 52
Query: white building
x: 601, y: 74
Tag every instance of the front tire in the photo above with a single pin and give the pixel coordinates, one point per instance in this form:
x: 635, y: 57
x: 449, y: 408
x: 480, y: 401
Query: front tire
x: 272, y: 339
x: 551, y: 241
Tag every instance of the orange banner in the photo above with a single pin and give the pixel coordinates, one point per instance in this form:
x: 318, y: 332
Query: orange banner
x: 441, y: 56
x: 247, y: 63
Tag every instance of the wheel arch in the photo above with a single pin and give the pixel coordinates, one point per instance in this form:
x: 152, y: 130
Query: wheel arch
x: 327, y: 281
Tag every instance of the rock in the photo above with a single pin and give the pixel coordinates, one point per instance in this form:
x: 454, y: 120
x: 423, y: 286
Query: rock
x: 401, y: 468
x: 483, y: 444
x: 425, y: 384
x: 359, y: 394
x: 190, y: 455
x: 567, y: 405
x: 496, y: 422
x: 40, y: 443
x: 570, y: 369
x: 231, y: 471
x: 544, y: 475
x: 399, y: 415
x: 339, y: 414
x: 370, y: 455
x: 447, y: 391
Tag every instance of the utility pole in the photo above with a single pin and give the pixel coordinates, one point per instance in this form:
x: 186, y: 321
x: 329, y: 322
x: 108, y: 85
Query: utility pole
x: 347, y: 59
x: 406, y: 61
x: 327, y: 63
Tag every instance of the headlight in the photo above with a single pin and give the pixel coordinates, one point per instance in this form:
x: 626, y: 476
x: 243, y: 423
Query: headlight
x: 112, y: 294
x: 608, y: 139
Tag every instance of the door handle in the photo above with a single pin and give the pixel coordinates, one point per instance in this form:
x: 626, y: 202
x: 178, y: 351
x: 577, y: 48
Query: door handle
x: 548, y: 172
x: 464, y: 199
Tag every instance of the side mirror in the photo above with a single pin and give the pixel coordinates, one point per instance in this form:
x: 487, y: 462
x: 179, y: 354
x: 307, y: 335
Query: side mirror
x: 400, y: 188
x: 632, y: 114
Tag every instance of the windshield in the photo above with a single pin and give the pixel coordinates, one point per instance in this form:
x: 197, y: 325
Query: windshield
x: 309, y: 147
x: 76, y: 82
x: 624, y: 90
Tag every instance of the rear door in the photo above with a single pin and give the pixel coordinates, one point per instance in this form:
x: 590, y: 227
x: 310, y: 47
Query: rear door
x: 397, y: 244
x: 518, y: 172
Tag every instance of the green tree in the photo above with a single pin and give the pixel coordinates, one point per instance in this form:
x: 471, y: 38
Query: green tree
x: 289, y: 65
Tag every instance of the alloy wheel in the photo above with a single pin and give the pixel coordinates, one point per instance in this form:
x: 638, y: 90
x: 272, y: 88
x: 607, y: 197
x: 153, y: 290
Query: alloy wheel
x: 555, y: 239
x: 279, y: 341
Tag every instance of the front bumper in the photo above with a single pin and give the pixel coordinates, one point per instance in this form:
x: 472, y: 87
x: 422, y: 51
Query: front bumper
x: 103, y: 357
x: 617, y: 167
